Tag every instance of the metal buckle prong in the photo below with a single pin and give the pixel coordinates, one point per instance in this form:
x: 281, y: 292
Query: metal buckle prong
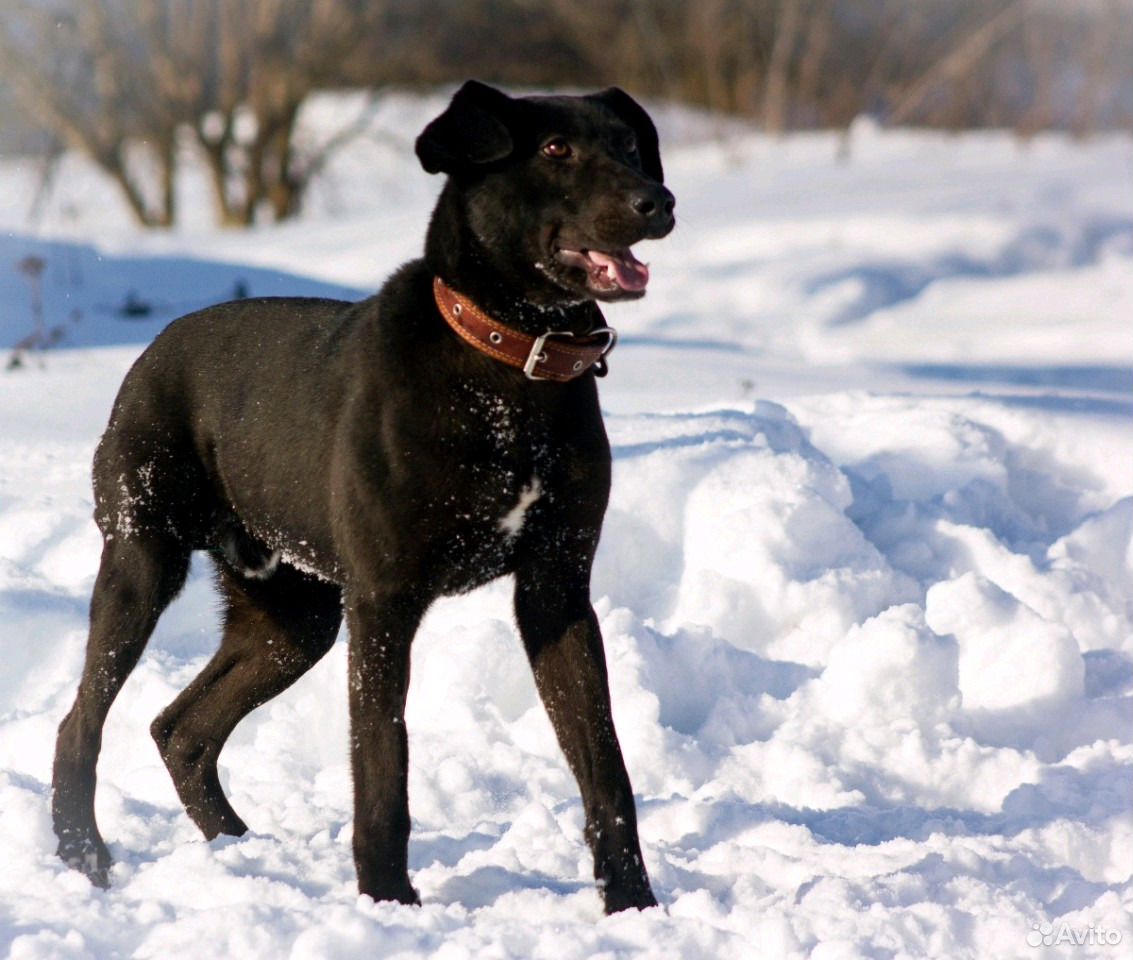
x: 537, y: 355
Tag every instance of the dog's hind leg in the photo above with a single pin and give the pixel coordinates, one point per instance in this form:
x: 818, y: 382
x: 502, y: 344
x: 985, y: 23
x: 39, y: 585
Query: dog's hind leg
x: 275, y: 630
x: 138, y: 576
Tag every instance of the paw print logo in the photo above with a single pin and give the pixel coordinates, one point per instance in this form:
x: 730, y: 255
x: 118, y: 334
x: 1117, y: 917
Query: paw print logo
x: 1042, y: 934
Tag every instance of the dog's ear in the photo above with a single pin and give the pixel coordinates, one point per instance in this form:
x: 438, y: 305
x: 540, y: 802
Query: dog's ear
x: 472, y: 131
x: 633, y: 113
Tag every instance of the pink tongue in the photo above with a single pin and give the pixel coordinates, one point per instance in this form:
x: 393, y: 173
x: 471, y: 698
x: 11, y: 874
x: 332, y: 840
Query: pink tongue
x: 625, y: 269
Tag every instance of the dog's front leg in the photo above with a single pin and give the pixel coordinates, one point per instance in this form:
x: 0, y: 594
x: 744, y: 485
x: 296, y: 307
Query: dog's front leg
x: 563, y: 642
x: 381, y: 633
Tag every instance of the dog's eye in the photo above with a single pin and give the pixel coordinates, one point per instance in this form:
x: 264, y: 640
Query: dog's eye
x: 631, y: 146
x: 557, y: 149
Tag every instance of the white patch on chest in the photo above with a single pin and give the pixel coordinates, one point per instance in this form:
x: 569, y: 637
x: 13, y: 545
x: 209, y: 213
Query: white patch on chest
x: 512, y: 521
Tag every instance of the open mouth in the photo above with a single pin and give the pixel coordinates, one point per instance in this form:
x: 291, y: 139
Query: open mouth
x: 607, y: 272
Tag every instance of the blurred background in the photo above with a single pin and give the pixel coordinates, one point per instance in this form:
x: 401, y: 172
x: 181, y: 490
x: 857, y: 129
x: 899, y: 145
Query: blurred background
x: 133, y: 84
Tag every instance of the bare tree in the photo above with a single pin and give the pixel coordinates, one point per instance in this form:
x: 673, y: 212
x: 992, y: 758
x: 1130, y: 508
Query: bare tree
x: 788, y: 27
x: 261, y: 60
x: 971, y: 46
x: 75, y: 70
x: 120, y: 79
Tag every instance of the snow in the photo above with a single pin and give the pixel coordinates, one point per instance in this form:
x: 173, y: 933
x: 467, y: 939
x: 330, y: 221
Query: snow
x: 866, y: 581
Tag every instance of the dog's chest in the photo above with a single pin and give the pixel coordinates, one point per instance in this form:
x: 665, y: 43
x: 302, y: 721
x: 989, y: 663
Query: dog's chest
x: 501, y: 480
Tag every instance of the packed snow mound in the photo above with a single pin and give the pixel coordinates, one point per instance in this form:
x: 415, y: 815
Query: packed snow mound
x: 759, y: 546
x: 866, y: 579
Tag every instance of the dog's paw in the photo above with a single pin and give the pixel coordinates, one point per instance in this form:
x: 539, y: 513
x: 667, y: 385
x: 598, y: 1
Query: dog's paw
x: 617, y: 900
x: 89, y: 857
x: 403, y: 893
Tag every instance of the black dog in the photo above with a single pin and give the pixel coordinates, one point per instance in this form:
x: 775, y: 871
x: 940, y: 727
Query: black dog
x: 371, y: 457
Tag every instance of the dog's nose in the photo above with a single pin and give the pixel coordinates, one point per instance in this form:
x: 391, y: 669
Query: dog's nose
x: 654, y: 204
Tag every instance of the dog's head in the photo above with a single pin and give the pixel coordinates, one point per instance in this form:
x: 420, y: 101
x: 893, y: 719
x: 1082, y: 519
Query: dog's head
x: 556, y: 189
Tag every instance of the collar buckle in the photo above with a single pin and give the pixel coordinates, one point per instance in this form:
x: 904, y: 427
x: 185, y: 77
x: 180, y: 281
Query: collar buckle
x: 537, y: 355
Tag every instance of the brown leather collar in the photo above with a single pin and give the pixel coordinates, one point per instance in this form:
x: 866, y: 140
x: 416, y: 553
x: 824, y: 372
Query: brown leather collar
x: 546, y: 357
